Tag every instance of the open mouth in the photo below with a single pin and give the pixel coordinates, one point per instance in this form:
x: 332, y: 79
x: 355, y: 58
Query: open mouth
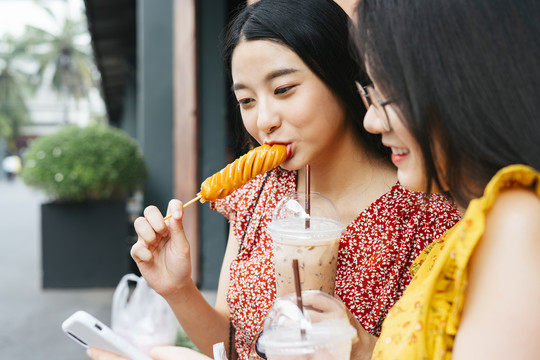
x: 399, y: 151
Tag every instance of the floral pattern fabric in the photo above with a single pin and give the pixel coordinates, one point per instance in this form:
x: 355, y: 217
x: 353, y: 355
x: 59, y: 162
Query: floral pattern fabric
x: 375, y: 252
x: 424, y: 322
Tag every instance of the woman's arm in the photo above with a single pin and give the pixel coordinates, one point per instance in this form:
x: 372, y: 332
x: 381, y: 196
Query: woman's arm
x: 206, y: 325
x: 501, y: 315
x: 162, y: 253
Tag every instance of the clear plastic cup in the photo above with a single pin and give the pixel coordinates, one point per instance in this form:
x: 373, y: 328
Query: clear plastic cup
x: 321, y: 331
x: 311, y: 238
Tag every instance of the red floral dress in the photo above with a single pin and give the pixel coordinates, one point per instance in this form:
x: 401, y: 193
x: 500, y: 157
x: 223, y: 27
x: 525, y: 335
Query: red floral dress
x: 374, y: 256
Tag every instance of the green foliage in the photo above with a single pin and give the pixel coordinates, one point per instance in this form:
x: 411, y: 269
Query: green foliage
x: 183, y: 340
x: 15, y: 86
x: 79, y: 164
x: 66, y: 52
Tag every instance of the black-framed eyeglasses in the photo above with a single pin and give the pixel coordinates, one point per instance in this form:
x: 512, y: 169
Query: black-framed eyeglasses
x: 370, y: 96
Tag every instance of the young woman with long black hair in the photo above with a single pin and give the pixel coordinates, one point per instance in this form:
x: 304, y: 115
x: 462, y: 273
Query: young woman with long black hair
x: 455, y: 95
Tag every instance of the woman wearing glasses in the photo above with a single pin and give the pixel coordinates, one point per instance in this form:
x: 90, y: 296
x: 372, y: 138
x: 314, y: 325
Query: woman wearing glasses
x: 463, y: 84
x: 293, y: 79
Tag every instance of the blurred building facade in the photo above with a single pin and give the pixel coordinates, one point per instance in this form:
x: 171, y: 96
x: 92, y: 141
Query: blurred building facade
x: 164, y: 83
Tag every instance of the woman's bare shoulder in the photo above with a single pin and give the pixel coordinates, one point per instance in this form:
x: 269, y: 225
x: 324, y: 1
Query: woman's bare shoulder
x: 501, y: 317
x: 517, y: 210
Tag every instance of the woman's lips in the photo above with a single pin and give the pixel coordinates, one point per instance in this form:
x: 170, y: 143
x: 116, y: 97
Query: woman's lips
x: 398, y: 154
x: 398, y: 158
x: 289, y: 151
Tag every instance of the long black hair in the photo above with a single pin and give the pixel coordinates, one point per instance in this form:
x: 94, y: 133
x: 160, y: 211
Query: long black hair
x: 465, y: 74
x: 317, y: 31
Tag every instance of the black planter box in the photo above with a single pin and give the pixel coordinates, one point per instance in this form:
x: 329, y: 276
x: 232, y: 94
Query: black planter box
x: 84, y: 244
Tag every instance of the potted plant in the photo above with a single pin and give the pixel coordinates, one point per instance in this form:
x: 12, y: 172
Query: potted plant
x: 88, y: 174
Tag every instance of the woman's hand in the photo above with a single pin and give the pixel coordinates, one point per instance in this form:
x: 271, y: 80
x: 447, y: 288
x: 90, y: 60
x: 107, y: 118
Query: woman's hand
x: 157, y: 353
x: 98, y: 354
x: 362, y: 347
x: 162, y: 251
x: 176, y: 353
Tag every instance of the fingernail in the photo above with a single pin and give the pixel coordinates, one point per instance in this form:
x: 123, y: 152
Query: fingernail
x: 177, y: 214
x: 89, y: 352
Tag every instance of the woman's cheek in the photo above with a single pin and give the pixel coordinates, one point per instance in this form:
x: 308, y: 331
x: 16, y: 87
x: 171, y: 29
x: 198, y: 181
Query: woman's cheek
x: 250, y: 123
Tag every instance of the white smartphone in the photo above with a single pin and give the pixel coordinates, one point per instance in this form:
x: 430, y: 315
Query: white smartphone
x: 90, y: 332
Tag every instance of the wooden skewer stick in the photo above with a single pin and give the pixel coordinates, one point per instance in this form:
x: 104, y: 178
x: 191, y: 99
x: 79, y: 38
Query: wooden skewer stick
x: 192, y: 200
x: 186, y: 204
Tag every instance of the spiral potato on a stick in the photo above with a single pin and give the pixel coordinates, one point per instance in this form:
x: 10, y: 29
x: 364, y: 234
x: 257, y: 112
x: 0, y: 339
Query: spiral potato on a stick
x: 248, y: 166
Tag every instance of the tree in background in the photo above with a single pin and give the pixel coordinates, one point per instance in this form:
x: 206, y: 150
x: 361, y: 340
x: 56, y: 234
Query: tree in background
x: 68, y: 52
x: 15, y: 87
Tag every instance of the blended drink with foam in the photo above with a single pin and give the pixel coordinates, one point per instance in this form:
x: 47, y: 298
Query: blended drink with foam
x: 314, y: 246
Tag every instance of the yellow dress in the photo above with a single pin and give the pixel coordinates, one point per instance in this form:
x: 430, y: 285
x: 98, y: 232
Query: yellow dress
x: 424, y: 322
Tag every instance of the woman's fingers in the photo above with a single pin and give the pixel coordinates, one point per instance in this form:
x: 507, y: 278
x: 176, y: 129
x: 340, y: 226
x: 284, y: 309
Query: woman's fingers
x: 139, y: 253
x: 155, y: 219
x: 98, y: 354
x: 151, y: 228
x: 176, y: 353
x: 175, y: 207
x: 144, y: 230
x: 154, y: 232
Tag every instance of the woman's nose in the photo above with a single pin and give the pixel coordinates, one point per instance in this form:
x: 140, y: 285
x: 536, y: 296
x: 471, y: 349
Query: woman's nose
x: 268, y: 120
x: 372, y: 122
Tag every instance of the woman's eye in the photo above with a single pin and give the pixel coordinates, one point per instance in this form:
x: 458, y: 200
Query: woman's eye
x: 283, y: 90
x: 243, y: 102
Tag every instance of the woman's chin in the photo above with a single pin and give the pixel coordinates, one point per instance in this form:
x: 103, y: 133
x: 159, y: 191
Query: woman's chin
x: 419, y: 185
x: 289, y: 167
x: 412, y: 182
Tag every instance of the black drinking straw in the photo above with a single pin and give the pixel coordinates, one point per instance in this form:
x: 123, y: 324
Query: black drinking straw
x: 298, y: 295
x: 308, y: 206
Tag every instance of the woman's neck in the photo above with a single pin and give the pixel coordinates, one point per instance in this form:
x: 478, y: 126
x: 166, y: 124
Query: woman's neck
x: 349, y: 177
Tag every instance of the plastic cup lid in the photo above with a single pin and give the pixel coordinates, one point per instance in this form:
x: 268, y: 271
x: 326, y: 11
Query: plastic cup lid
x: 290, y: 215
x: 324, y: 321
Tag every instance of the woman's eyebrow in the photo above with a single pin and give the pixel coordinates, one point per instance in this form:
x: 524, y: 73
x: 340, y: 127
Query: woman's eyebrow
x: 279, y: 72
x: 272, y: 75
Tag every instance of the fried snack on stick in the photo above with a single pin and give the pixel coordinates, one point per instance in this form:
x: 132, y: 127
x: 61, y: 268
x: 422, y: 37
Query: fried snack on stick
x: 247, y: 167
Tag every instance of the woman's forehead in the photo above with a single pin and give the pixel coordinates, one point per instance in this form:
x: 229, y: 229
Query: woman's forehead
x: 263, y: 51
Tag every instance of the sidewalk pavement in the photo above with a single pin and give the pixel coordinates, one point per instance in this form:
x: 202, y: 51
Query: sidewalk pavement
x: 30, y: 317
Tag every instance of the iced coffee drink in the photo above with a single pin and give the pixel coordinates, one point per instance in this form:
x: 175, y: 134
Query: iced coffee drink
x: 314, y: 246
x: 317, y: 262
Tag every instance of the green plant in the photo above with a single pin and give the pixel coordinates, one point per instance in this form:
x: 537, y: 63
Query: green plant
x: 77, y: 164
x: 183, y: 340
x: 15, y: 88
